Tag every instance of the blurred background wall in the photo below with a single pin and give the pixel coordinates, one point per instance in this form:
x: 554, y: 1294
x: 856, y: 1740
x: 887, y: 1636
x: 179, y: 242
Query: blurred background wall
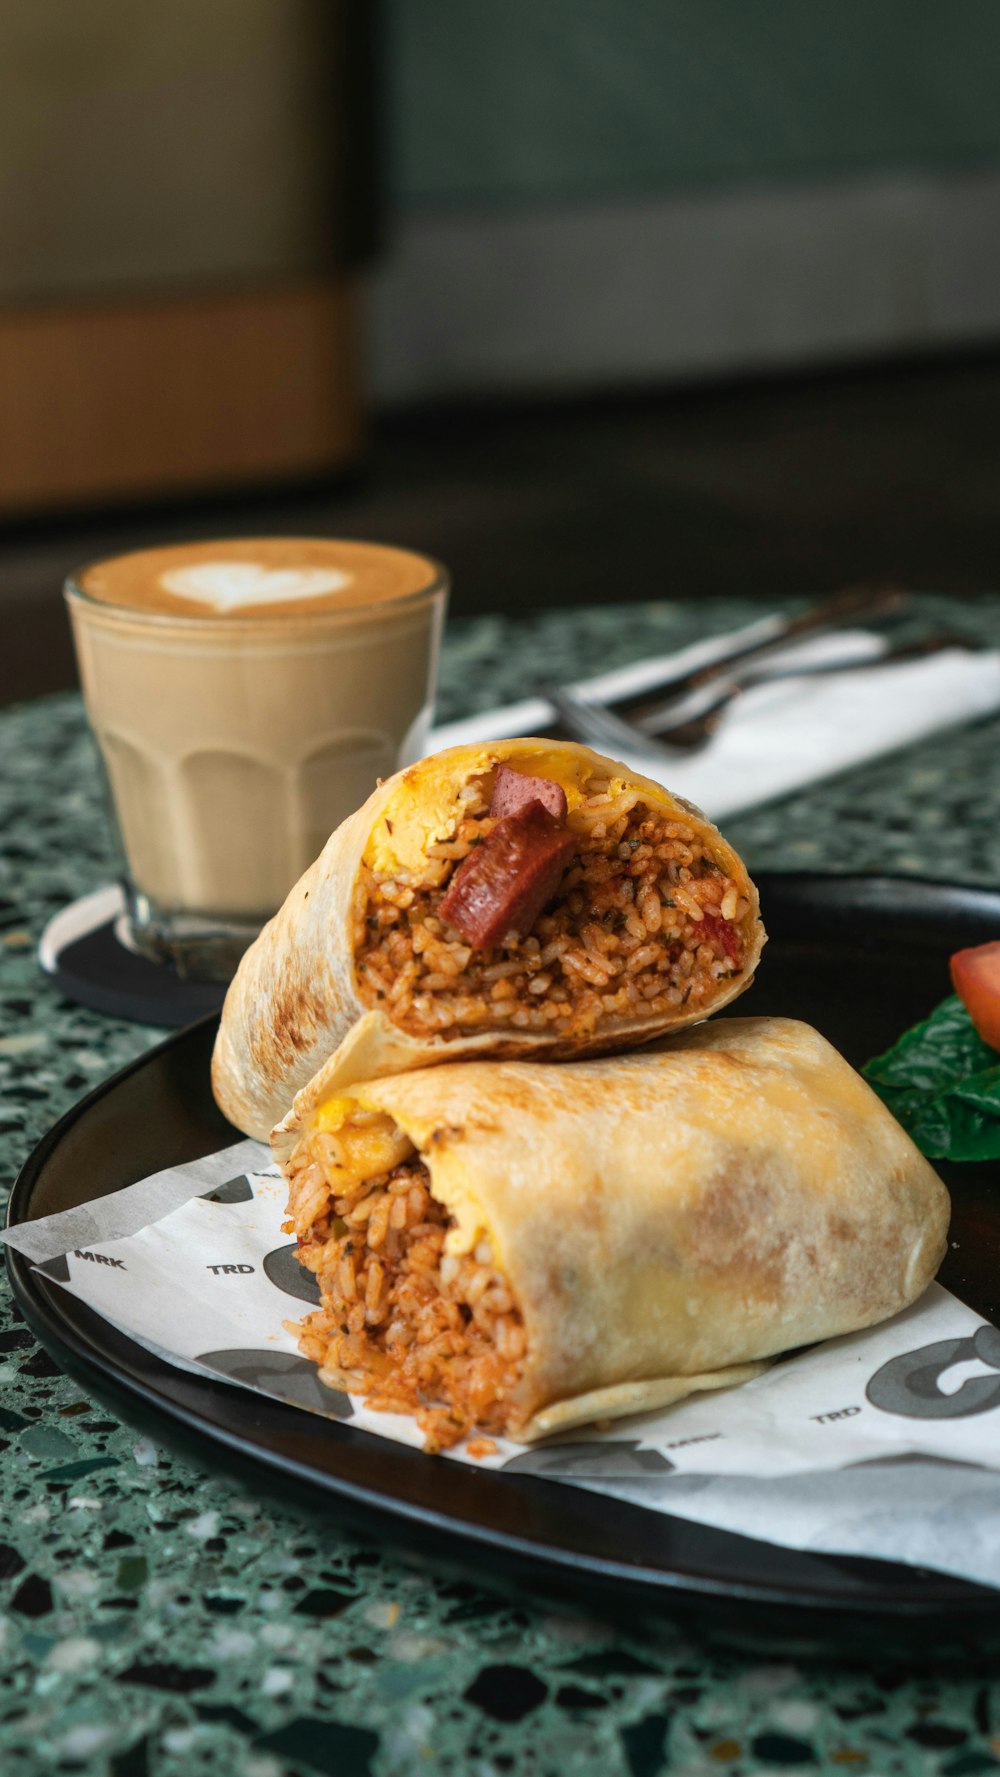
x: 581, y: 194
x: 594, y: 192
x: 197, y: 143
x: 187, y: 193
x: 591, y: 298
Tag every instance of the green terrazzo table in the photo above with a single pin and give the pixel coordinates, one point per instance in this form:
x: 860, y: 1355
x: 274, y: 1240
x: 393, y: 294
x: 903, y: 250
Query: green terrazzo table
x: 158, y: 1620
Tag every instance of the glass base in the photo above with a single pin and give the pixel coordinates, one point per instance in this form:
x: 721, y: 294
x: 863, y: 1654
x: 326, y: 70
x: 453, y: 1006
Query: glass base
x: 198, y: 946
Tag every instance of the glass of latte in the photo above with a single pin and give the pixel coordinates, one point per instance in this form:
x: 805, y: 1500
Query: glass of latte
x: 246, y: 695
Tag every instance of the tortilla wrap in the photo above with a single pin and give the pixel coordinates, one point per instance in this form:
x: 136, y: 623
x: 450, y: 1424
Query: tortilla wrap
x: 667, y: 1220
x: 295, y: 1001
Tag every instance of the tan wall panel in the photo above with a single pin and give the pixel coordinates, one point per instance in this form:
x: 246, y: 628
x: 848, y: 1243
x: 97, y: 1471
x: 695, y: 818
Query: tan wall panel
x: 151, y: 147
x: 111, y: 400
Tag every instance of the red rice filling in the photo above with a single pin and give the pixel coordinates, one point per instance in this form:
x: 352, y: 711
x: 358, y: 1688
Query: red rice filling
x: 407, y: 1326
x: 646, y: 922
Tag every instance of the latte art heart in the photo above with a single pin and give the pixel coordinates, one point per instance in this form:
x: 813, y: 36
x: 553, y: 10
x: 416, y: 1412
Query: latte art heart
x: 232, y: 585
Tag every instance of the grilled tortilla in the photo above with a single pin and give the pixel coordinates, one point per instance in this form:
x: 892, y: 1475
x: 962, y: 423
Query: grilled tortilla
x: 654, y: 925
x: 515, y: 1248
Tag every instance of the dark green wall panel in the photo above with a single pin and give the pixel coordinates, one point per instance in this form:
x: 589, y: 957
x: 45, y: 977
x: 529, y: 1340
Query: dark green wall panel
x: 512, y: 101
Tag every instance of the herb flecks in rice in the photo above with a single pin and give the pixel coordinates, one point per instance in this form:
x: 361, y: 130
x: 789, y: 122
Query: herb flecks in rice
x: 645, y: 923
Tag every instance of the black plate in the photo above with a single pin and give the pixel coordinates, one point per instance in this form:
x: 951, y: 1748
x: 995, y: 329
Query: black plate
x: 861, y: 958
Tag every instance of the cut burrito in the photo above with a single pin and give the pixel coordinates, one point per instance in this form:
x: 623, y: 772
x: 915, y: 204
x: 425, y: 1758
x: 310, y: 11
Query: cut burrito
x: 514, y: 899
x: 514, y: 1248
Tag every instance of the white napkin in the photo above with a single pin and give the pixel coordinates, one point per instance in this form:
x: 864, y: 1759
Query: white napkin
x: 776, y: 738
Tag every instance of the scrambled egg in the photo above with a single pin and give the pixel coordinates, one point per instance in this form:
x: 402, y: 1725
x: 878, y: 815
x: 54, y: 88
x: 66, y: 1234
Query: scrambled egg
x: 368, y: 1148
x: 424, y: 807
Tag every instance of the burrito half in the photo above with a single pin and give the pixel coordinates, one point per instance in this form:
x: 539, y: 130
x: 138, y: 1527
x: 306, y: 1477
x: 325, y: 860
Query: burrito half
x: 507, y: 900
x: 513, y: 1248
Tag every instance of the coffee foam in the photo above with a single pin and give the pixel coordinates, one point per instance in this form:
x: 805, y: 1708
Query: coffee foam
x: 258, y: 576
x: 228, y: 585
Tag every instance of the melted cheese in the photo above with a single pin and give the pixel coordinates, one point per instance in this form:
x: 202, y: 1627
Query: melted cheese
x: 367, y: 1148
x: 425, y: 805
x: 333, y: 1113
x: 370, y: 1148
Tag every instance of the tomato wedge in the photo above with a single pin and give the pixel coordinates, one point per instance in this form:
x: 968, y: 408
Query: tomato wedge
x: 975, y: 976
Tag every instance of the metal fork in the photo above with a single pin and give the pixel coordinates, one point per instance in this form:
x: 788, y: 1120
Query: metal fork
x: 865, y: 603
x: 694, y: 718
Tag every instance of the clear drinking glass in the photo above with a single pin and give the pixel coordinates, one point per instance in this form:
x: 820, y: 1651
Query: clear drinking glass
x: 234, y: 744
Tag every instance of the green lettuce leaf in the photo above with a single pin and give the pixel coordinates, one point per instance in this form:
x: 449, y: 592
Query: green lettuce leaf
x: 942, y: 1082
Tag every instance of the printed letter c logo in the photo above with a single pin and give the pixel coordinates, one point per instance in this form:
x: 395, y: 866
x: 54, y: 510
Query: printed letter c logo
x: 910, y: 1384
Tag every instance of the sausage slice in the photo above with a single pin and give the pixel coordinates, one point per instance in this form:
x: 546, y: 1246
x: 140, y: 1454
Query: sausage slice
x: 514, y: 790
x: 504, y: 883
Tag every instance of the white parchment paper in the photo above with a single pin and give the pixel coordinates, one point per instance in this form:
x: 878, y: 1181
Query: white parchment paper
x: 882, y: 1443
